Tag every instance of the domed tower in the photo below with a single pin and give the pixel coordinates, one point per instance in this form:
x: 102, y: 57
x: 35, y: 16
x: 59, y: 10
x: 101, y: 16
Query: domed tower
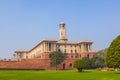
x: 62, y: 31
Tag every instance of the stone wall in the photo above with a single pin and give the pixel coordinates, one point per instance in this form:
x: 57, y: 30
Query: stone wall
x: 43, y: 62
x: 35, y: 64
x: 25, y: 64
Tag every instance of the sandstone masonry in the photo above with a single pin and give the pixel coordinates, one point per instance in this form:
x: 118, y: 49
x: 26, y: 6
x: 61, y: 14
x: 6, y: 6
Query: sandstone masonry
x: 38, y: 56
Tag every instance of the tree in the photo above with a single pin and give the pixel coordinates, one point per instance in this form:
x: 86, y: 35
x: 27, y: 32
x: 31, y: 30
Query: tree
x: 80, y: 64
x: 101, y: 53
x: 113, y: 54
x: 98, y: 60
x: 56, y: 58
x: 88, y: 61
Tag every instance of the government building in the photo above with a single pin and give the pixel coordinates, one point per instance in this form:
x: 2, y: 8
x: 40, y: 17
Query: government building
x: 72, y: 50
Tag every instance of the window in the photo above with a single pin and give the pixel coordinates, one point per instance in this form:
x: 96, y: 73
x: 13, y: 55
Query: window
x: 66, y: 56
x: 65, y: 46
x: 26, y: 57
x: 76, y: 57
x: 40, y: 56
x: 75, y: 51
x: 58, y: 46
x: 70, y: 65
x: 63, y: 66
x: 72, y: 56
x: 65, y: 51
x: 71, y: 51
x: 80, y: 55
x: 80, y: 46
x: 59, y: 50
x: 75, y: 46
x: 88, y: 55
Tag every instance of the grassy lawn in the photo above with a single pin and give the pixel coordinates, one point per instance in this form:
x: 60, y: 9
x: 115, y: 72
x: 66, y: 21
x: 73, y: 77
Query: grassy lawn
x: 58, y: 75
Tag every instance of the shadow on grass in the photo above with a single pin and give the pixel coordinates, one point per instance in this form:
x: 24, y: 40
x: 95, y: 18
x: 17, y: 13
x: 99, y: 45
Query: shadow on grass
x: 117, y: 73
x: 85, y: 72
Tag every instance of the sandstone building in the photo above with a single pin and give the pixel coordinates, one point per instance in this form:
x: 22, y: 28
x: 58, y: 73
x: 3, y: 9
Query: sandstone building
x: 73, y: 50
x: 38, y: 56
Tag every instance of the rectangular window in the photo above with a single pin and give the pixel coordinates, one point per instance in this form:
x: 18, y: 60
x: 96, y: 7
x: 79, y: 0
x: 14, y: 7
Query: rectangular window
x: 75, y: 46
x: 75, y: 51
x: 65, y: 51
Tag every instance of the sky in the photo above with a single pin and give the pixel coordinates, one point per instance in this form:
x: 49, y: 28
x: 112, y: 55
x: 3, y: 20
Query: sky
x: 24, y: 23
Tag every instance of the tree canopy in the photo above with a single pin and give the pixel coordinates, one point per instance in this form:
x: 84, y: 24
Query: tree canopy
x: 98, y: 61
x: 80, y: 64
x: 113, y: 54
x: 56, y: 58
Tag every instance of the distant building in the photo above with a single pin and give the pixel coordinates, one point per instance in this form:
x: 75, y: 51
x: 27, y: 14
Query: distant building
x: 72, y: 50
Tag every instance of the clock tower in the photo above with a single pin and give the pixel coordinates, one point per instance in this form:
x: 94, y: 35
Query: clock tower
x: 62, y: 32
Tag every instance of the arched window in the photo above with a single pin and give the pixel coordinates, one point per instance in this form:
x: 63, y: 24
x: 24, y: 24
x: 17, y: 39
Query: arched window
x: 63, y: 66
x: 72, y: 56
x: 80, y: 55
x: 88, y: 55
x: 70, y: 66
x: 76, y: 56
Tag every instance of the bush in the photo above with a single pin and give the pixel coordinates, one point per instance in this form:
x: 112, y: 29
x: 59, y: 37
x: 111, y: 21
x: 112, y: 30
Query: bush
x: 80, y: 65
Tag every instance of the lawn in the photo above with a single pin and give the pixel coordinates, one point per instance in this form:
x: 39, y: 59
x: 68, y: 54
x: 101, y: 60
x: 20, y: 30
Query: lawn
x: 58, y: 75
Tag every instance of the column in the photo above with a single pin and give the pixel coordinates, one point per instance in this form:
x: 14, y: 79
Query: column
x: 90, y: 47
x: 45, y: 47
x: 48, y: 46
x: 51, y: 46
x: 82, y: 47
x: 85, y: 47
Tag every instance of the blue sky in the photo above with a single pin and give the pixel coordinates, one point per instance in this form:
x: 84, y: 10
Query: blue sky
x: 24, y: 23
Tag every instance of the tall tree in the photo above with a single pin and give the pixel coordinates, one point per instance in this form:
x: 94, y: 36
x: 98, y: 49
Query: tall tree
x: 56, y: 58
x: 101, y: 53
x: 113, y: 54
x: 98, y: 60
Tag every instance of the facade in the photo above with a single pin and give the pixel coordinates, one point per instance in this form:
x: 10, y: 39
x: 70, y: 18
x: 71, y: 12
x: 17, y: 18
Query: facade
x: 72, y: 50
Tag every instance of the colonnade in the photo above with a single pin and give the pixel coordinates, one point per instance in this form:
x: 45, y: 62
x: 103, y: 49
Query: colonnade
x: 86, y: 47
x: 49, y: 46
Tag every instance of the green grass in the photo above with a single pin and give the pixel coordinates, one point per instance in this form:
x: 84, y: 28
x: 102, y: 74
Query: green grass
x: 58, y: 75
